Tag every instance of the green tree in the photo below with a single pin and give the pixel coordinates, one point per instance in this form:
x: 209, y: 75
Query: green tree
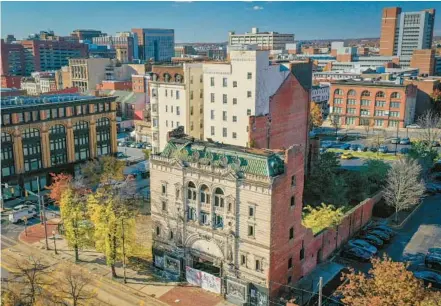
x: 319, y: 218
x: 114, y: 221
x: 147, y: 153
x: 424, y: 153
x: 78, y: 229
x: 103, y: 170
x: 375, y: 171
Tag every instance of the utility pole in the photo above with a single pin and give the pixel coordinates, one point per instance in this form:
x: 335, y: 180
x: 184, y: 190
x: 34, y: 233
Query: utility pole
x: 124, y: 251
x: 42, y: 210
x: 320, y: 291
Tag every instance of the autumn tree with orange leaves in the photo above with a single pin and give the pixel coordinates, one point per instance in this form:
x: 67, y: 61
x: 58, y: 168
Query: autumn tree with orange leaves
x: 388, y: 283
x: 60, y: 182
x: 316, y: 117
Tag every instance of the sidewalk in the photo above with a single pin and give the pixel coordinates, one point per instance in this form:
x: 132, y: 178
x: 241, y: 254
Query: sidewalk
x: 141, y: 280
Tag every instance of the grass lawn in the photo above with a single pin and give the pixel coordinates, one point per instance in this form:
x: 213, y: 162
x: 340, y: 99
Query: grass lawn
x: 368, y: 154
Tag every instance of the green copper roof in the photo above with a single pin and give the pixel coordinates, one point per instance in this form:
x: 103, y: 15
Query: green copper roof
x: 248, y: 160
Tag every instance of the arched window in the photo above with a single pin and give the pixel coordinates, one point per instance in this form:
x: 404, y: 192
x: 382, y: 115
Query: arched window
x: 8, y: 166
x: 178, y: 78
x: 365, y: 93
x: 338, y: 92
x: 380, y: 94
x: 167, y: 77
x: 81, y: 140
x: 32, y: 149
x: 191, y: 191
x: 103, y: 136
x: 219, y: 197
x: 395, y: 95
x: 205, y: 194
x: 58, y: 147
x: 351, y: 93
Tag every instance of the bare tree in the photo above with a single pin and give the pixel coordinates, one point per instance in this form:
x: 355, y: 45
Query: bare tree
x: 335, y: 122
x: 31, y: 272
x: 404, y: 188
x: 73, y: 284
x: 368, y: 126
x: 430, y: 124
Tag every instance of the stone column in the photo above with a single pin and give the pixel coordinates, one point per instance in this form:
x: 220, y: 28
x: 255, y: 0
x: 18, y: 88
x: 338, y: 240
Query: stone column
x: 113, y: 136
x: 92, y: 137
x: 18, y: 152
x: 70, y: 143
x: 45, y: 147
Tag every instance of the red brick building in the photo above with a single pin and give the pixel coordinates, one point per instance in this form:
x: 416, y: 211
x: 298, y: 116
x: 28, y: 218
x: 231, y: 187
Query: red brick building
x: 381, y: 104
x: 115, y: 85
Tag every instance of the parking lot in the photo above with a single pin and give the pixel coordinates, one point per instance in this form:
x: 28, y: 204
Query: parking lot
x: 421, y: 232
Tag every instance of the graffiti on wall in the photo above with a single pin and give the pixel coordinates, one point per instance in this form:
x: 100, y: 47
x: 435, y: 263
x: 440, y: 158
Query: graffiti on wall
x: 202, y: 279
x: 236, y: 291
x: 258, y: 295
x: 159, y: 262
x: 172, y: 265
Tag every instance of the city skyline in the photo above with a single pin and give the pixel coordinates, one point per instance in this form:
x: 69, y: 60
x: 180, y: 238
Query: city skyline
x: 306, y: 20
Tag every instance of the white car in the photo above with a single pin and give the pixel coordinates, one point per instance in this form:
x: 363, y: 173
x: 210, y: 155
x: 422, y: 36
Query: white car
x: 413, y: 126
x: 362, y: 244
x: 20, y: 215
x: 24, y: 206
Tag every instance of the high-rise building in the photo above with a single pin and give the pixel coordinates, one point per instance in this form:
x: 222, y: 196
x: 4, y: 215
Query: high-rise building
x: 404, y: 32
x: 50, y: 134
x: 156, y: 44
x: 265, y: 40
x: 122, y: 44
x: 12, y: 59
x: 86, y: 34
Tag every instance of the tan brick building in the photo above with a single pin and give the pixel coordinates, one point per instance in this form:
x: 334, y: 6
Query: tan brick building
x: 381, y: 104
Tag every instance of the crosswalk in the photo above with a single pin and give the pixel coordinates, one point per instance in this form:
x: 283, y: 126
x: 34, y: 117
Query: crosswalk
x: 7, y: 242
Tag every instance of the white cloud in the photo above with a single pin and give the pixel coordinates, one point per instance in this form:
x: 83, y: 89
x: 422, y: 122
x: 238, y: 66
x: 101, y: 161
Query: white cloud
x: 257, y: 8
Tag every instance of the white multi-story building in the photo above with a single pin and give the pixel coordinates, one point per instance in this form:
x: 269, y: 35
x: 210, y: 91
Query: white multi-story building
x: 320, y: 95
x: 236, y: 90
x: 176, y: 97
x: 38, y: 83
x: 265, y: 40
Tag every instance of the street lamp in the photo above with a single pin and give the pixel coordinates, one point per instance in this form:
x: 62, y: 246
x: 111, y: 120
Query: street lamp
x: 55, y: 244
x: 25, y: 219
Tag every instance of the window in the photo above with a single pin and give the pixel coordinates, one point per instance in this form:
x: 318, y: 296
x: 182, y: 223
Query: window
x: 81, y: 140
x: 212, y: 81
x: 166, y: 108
x: 250, y: 211
x: 191, y: 191
x: 251, y: 230
x: 379, y: 122
x: 365, y: 93
x: 380, y: 94
x: 258, y: 265
x: 171, y: 93
x: 350, y: 121
x: 32, y: 149
x: 339, y: 92
x: 395, y: 95
x: 177, y: 94
x: 248, y: 94
x: 224, y: 116
x: 103, y: 142
x: 158, y: 231
x: 243, y: 260
x: 393, y: 123
x: 218, y: 221
x: 291, y: 233
x: 293, y: 181
x: 164, y: 205
x: 178, y: 111
x: 338, y: 110
x: 249, y: 75
x: 212, y: 114
x: 154, y: 93
x: 380, y: 103
x: 289, y: 279
x: 224, y: 99
x: 171, y: 109
x: 234, y: 135
x: 166, y: 92
x: 338, y: 101
x: 248, y: 112
x: 201, y: 78
x: 205, y: 218
x: 302, y: 252
x: 224, y: 82
x: 290, y: 263
x: 201, y: 93
x: 395, y: 104
x: 350, y: 110
x: 234, y: 101
x: 6, y: 119
x: 365, y: 102
x: 191, y: 214
x: 212, y: 131
x: 293, y: 201
x: 191, y: 94
x: 234, y: 83
x: 191, y: 79
x: 7, y: 157
x: 379, y: 113
x: 351, y: 101
x: 351, y: 93
x: 204, y: 195
x: 57, y: 140
x: 365, y: 112
x: 191, y: 110
x: 171, y: 235
x: 212, y: 97
x: 164, y: 189
x: 224, y: 132
x: 394, y: 114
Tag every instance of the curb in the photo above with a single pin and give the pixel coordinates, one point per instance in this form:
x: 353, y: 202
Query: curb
x: 400, y: 226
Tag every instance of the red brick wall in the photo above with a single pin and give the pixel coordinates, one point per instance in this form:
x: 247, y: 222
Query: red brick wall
x: 11, y: 81
x: 123, y: 85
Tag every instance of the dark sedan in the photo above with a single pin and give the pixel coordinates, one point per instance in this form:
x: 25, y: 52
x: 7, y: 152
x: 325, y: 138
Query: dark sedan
x: 429, y: 277
x: 356, y: 254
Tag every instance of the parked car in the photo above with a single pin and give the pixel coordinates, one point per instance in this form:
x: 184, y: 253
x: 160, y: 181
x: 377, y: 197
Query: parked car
x: 139, y: 145
x: 372, y: 239
x: 405, y: 141
x: 347, y: 155
x: 354, y: 147
x: 345, y: 146
x: 435, y: 143
x: 362, y: 244
x: 432, y: 188
x: 133, y: 145
x: 432, y: 260
x: 128, y: 144
x: 25, y: 206
x: 121, y: 144
x: 373, y: 149
x: 326, y: 144
x: 362, y: 148
x: 385, y: 228
x: 380, y: 234
x: 395, y: 141
x: 429, y: 277
x: 383, y: 149
x: 413, y: 126
x: 404, y: 150
x: 356, y: 254
x: 342, y: 137
x: 339, y: 154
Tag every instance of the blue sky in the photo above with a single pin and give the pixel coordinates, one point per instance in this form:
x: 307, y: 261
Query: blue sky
x: 206, y: 21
